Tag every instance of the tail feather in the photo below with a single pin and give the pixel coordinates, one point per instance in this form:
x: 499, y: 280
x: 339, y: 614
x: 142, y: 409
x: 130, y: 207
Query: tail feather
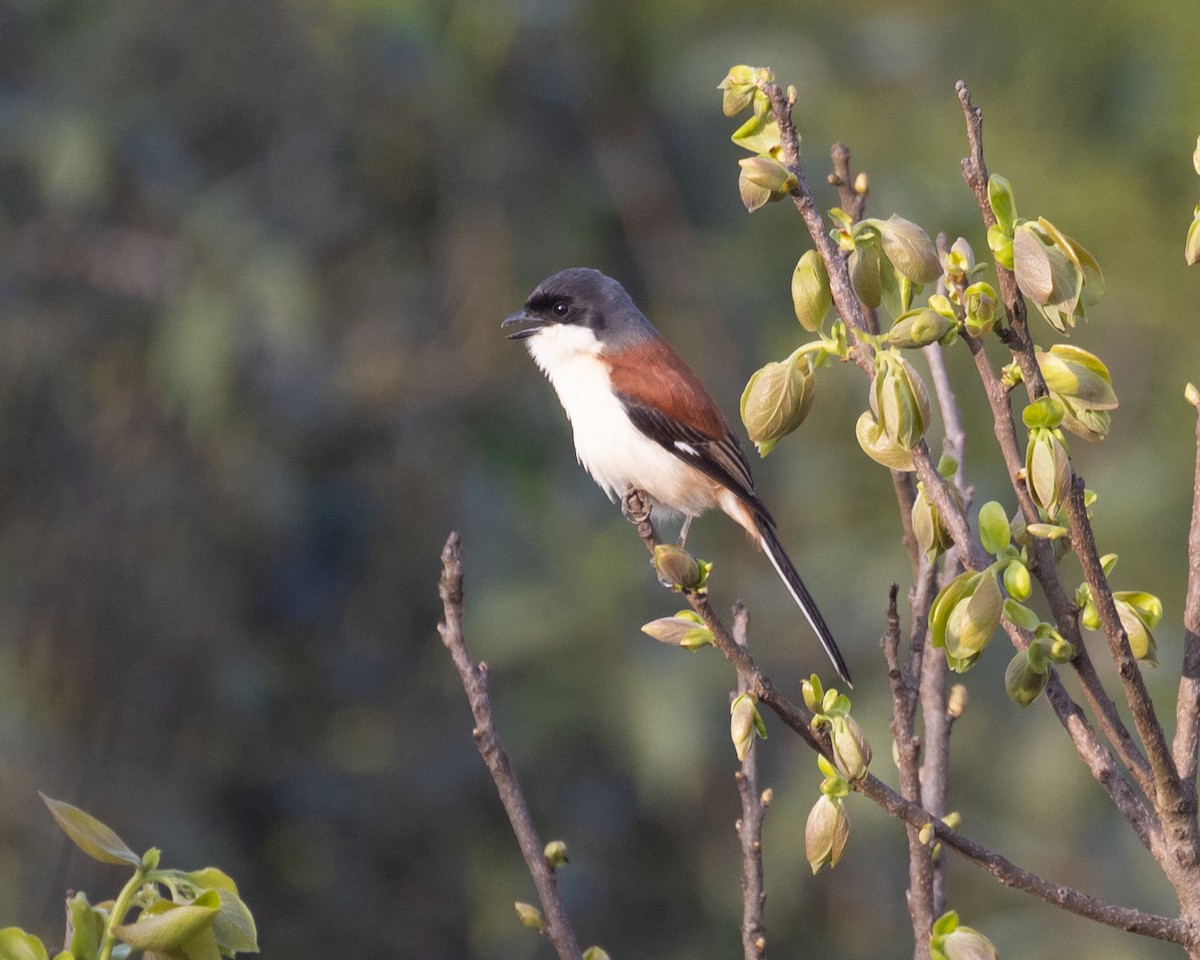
x: 787, y: 573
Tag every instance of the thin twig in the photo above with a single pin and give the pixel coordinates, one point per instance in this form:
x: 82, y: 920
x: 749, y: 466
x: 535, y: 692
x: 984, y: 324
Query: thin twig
x: 908, y: 761
x: 474, y: 680
x: 750, y: 826
x: 1187, y: 709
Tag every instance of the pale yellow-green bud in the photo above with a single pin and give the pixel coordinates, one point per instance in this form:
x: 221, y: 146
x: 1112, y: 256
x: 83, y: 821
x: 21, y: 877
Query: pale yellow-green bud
x: 909, y: 249
x: 530, y: 916
x: 1047, y: 470
x: 1023, y: 681
x: 899, y: 400
x: 595, y: 953
x: 745, y: 723
x: 919, y: 328
x: 878, y: 446
x: 776, y: 400
x: 555, y: 853
x: 851, y: 751
x: 685, y: 629
x: 811, y: 297
x: 676, y: 567
x: 826, y: 832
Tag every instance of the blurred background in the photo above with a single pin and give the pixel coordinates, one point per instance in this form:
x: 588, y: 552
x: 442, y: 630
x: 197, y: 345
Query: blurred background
x: 253, y: 260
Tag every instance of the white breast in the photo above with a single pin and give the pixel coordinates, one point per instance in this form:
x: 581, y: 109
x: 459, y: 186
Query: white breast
x: 608, y: 445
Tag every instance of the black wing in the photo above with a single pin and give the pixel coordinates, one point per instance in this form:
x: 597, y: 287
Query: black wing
x: 721, y: 460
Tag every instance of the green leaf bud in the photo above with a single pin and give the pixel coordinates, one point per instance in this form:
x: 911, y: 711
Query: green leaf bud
x: 1047, y: 531
x: 851, y: 751
x: 555, y: 853
x: 956, y: 702
x: 16, y: 944
x: 1191, y: 247
x: 759, y: 134
x: 974, y: 618
x: 1020, y: 615
x: 1140, y: 613
x: 1043, y: 412
x: 933, y: 537
x: 169, y: 927
x: 944, y: 603
x: 738, y: 87
x: 866, y: 271
x: 1191, y: 394
x: 994, y: 531
x: 1061, y: 650
x: 530, y: 916
x: 980, y: 301
x: 85, y: 928
x: 776, y: 400
x: 826, y: 832
x: 1072, y: 372
x: 811, y: 297
x: 1000, y: 198
x: 1196, y: 157
x: 908, y: 249
x: 676, y: 567
x: 762, y: 180
x: 959, y: 943
x: 919, y: 328
x: 813, y: 693
x: 899, y: 400
x: 1000, y: 242
x: 1048, y: 272
x: 595, y: 953
x: 879, y: 447
x: 1017, y: 582
x: 1023, y: 682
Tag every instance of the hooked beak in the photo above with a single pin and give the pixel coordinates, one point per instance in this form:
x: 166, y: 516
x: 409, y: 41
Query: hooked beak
x: 523, y: 316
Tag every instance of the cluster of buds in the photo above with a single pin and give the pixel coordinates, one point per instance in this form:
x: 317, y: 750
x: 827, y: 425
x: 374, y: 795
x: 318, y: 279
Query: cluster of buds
x: 964, y: 615
x: 1081, y: 383
x: 763, y: 177
x: 888, y: 259
x: 831, y: 713
x: 976, y: 299
x: 1048, y: 473
x: 899, y: 412
x: 1056, y: 273
x: 949, y: 940
x: 776, y: 400
x: 828, y: 827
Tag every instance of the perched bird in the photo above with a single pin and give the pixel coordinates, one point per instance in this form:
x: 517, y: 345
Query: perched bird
x: 642, y: 418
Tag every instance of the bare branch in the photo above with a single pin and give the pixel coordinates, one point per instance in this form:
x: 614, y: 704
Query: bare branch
x: 842, y: 177
x: 1187, y: 709
x: 749, y: 827
x: 474, y: 680
x: 913, y: 814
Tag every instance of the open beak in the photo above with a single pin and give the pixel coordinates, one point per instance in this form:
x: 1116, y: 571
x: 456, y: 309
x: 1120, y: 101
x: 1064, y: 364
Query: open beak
x: 522, y: 316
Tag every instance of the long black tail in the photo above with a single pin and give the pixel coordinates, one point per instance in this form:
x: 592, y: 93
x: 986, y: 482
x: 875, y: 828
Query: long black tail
x: 787, y: 573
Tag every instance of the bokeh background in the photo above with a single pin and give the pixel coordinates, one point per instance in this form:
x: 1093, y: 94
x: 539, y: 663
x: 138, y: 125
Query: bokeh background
x: 253, y: 258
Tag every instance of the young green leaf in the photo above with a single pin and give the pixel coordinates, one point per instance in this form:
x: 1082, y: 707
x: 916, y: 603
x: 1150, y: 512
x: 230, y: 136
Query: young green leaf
x: 16, y: 944
x: 91, y: 836
x: 166, y: 926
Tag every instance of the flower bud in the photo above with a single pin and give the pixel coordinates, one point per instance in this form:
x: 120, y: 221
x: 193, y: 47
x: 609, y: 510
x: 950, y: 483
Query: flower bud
x: 1023, y: 682
x: 919, y: 328
x: 964, y: 943
x: 555, y: 853
x: 776, y: 400
x: 530, y: 916
x: 811, y: 297
x: 851, y: 751
x: 899, y: 400
x: 826, y: 832
x: 676, y: 567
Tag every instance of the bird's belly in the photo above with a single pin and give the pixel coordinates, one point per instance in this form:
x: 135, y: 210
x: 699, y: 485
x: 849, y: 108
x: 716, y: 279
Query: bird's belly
x: 615, y: 452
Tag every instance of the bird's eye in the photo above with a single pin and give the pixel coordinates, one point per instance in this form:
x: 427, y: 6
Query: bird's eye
x: 561, y: 309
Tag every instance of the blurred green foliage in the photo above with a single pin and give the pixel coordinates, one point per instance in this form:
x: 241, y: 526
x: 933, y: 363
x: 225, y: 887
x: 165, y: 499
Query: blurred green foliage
x: 254, y: 258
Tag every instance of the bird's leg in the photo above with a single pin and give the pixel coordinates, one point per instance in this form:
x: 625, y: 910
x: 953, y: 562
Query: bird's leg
x: 635, y: 504
x: 683, y: 530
